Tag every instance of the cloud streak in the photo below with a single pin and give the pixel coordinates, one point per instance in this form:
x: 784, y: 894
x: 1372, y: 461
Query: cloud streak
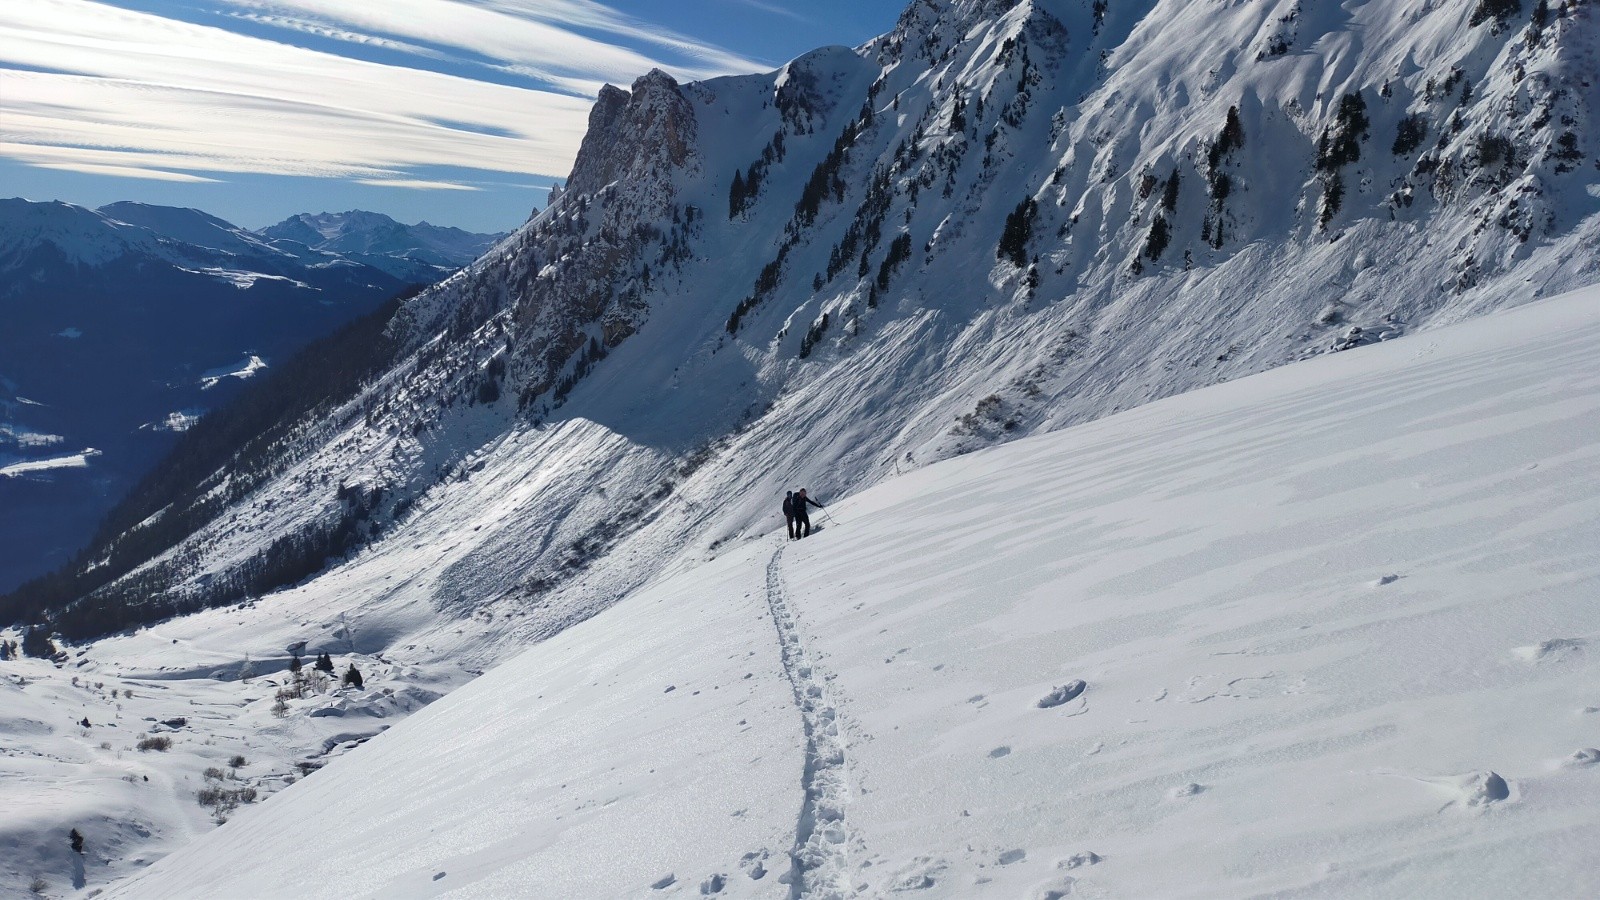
x: 91, y: 87
x: 421, y: 184
x: 546, y: 36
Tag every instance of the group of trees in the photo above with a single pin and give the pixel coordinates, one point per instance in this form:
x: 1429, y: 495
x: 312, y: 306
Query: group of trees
x: 37, y: 644
x: 1018, y: 231
x: 1155, y: 243
x: 826, y: 180
x: 1219, y: 184
x: 1498, y: 10
x: 813, y: 335
x: 1339, y: 146
x: 316, y: 682
x: 747, y: 183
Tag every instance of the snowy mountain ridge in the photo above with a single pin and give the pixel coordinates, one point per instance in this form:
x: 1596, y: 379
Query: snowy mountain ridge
x: 379, y: 241
x: 998, y: 219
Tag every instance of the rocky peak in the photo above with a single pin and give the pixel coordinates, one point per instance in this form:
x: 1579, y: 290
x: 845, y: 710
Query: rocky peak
x: 646, y: 133
x: 655, y: 79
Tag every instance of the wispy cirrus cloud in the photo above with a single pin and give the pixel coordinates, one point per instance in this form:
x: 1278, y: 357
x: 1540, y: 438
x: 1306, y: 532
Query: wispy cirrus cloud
x: 777, y: 9
x: 90, y: 86
x: 421, y: 184
x: 306, y: 26
x: 568, y: 41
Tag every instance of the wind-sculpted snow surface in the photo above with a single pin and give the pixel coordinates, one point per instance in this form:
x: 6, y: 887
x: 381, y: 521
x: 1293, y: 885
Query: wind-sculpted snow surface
x: 1268, y: 715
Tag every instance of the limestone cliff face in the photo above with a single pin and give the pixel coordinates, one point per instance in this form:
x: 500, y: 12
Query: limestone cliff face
x: 594, y: 165
x: 569, y: 287
x: 640, y: 148
x: 640, y: 136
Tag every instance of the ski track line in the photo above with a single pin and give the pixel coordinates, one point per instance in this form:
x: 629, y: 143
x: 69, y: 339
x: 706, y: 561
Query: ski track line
x: 819, y: 858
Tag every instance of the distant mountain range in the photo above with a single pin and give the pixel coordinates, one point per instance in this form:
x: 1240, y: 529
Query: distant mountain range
x: 124, y: 324
x: 381, y: 242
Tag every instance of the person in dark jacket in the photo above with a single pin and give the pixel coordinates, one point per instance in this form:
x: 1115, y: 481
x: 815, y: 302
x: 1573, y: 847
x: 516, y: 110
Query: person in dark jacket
x: 788, y: 513
x: 801, y: 518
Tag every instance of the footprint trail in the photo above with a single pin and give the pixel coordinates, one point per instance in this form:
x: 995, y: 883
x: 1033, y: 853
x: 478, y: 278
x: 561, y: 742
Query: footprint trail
x: 822, y: 837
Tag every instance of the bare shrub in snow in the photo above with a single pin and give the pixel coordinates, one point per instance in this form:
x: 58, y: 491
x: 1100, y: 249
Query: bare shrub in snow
x: 154, y: 742
x: 221, y: 800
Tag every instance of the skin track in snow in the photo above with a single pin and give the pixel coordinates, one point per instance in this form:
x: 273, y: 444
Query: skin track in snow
x: 822, y: 840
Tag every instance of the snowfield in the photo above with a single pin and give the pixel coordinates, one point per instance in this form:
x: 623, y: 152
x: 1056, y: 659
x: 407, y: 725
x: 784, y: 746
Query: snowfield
x: 243, y: 370
x: 69, y: 461
x: 1335, y: 626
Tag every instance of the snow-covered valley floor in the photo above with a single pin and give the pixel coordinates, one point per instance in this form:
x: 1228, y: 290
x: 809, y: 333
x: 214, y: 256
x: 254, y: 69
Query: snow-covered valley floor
x: 1336, y: 624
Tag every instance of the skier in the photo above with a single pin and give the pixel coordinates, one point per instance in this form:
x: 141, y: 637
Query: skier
x: 788, y: 513
x: 801, y: 518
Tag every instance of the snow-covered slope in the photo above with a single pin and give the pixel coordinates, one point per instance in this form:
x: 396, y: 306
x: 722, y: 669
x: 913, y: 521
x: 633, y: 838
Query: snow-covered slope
x: 1335, y: 623
x: 189, y: 226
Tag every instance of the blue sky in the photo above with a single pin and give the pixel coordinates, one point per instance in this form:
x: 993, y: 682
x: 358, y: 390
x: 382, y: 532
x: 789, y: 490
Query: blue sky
x: 459, y: 112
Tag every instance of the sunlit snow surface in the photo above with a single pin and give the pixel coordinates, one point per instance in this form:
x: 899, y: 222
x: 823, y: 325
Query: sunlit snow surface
x: 243, y: 369
x: 34, y: 466
x: 1337, y: 624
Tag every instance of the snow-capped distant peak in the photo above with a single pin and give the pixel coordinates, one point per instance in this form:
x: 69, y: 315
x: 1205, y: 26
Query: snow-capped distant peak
x: 369, y: 236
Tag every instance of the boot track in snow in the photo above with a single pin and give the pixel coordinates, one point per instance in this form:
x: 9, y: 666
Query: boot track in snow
x: 821, y: 843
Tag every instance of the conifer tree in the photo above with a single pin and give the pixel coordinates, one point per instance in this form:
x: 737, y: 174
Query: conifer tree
x: 1169, y: 196
x: 1019, y: 228
x: 37, y: 644
x: 736, y: 194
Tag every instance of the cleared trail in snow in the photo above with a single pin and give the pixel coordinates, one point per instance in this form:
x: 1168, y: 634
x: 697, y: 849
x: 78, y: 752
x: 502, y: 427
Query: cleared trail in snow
x: 822, y: 837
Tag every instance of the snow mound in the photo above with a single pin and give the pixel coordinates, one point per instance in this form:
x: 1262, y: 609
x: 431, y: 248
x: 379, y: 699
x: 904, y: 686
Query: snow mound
x: 1062, y: 694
